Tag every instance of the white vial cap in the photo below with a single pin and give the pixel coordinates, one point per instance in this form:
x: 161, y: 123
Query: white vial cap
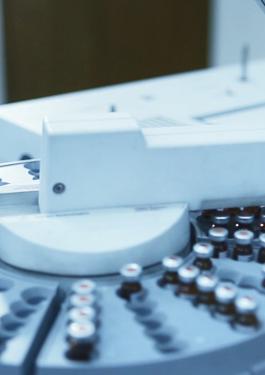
x: 82, y: 314
x: 221, y: 217
x: 218, y: 234
x: 77, y: 300
x: 262, y: 239
x: 246, y: 305
x: 172, y: 263
x: 188, y: 274
x: 203, y: 250
x: 206, y: 283
x: 243, y: 236
x: 82, y: 332
x: 225, y: 292
x: 245, y: 218
x: 83, y: 287
x: 131, y: 272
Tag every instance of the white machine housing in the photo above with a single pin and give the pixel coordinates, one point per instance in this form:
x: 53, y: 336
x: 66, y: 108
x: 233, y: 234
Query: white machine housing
x: 189, y: 142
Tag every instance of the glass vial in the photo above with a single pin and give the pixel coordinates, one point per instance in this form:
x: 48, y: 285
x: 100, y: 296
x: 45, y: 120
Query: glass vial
x: 243, y: 250
x: 218, y: 237
x: 170, y: 264
x: 203, y: 252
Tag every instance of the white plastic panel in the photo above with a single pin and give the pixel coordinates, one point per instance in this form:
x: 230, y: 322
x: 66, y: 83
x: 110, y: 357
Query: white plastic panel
x: 99, y: 242
x: 108, y: 161
x: 158, y: 104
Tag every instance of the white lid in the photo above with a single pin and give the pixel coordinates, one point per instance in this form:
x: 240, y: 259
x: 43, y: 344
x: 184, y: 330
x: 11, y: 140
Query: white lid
x: 206, y: 283
x: 246, y: 305
x: 245, y: 218
x: 203, y: 250
x: 84, y: 286
x: 82, y: 314
x: 82, y: 332
x: 218, y: 234
x: 77, y: 300
x: 225, y: 292
x: 131, y: 272
x: 221, y: 216
x: 188, y: 274
x: 243, y: 236
x: 172, y: 263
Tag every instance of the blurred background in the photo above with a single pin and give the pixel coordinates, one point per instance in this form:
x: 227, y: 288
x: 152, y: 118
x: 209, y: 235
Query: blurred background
x: 54, y: 46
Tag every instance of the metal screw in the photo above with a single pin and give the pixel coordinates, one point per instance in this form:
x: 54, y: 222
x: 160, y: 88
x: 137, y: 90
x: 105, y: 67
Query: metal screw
x: 58, y: 188
x: 113, y: 108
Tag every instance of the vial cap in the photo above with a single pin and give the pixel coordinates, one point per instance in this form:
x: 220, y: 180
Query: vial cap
x: 188, y: 274
x: 203, y: 250
x: 221, y: 216
x: 243, y: 236
x: 77, y: 300
x: 82, y: 314
x: 225, y: 293
x: 81, y: 332
x: 246, y: 305
x: 172, y: 263
x: 131, y: 272
x: 206, y: 283
x: 218, y: 234
x: 262, y: 239
x: 245, y: 218
x: 84, y: 287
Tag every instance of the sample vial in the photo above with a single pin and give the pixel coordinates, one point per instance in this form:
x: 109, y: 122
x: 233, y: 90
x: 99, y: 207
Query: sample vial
x: 225, y: 295
x: 221, y: 218
x: 218, y: 237
x: 261, y: 252
x: 203, y: 252
x: 77, y: 300
x: 131, y: 283
x: 206, y: 285
x: 187, y: 281
x: 244, y: 220
x: 246, y: 309
x: 81, y: 338
x: 82, y: 314
x: 243, y: 250
x: 83, y: 287
x: 170, y: 265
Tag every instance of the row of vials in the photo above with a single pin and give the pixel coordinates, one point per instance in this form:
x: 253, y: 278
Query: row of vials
x: 203, y: 289
x: 82, y: 320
